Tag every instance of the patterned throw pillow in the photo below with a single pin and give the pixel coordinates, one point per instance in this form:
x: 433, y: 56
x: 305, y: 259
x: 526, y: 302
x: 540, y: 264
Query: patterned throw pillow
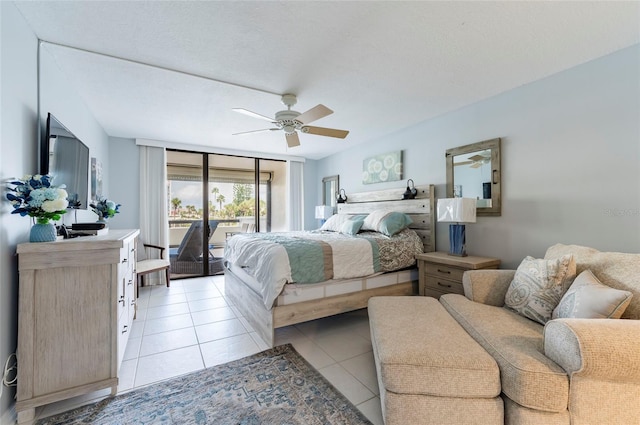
x: 538, y: 286
x: 588, y: 298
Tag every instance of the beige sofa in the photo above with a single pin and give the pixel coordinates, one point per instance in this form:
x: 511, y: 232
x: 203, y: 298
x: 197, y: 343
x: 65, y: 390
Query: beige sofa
x: 570, y: 371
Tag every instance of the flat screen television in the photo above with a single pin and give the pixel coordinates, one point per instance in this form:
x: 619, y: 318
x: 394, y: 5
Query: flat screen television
x: 65, y: 157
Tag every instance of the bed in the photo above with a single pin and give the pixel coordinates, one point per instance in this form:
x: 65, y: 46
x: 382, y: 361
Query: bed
x: 271, y: 299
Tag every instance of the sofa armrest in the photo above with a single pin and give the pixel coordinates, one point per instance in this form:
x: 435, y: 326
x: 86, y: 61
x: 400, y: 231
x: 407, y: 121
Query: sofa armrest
x: 604, y: 349
x: 487, y: 286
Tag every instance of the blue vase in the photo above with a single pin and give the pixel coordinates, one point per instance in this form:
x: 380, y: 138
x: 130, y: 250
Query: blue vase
x: 43, y: 232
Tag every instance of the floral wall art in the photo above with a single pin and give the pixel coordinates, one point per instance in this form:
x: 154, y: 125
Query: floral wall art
x: 382, y: 168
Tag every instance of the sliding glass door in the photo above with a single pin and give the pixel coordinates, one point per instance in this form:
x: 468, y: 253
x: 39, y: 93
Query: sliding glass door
x: 227, y: 204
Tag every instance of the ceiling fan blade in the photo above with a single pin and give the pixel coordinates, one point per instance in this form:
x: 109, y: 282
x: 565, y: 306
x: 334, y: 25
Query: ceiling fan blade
x: 253, y: 114
x: 477, y: 158
x: 255, y: 131
x: 313, y: 114
x: 476, y: 165
x: 292, y: 140
x: 322, y: 131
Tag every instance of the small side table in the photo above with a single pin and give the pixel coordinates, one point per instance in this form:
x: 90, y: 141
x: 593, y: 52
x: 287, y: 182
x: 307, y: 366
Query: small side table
x: 441, y: 273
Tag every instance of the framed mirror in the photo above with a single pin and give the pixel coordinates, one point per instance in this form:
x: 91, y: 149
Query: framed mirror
x: 473, y: 171
x: 330, y: 186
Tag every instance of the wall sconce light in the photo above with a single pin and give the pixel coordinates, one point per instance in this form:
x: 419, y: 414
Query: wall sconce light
x: 341, y: 196
x: 411, y: 191
x: 457, y: 210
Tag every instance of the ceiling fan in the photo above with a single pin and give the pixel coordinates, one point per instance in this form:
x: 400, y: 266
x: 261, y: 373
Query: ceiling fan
x: 477, y: 160
x: 293, y: 121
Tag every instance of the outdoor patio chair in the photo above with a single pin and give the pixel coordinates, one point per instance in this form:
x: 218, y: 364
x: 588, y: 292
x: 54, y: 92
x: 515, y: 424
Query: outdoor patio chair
x: 188, y: 258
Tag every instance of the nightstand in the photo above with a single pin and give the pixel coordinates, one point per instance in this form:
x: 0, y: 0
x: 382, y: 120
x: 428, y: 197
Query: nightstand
x: 441, y: 273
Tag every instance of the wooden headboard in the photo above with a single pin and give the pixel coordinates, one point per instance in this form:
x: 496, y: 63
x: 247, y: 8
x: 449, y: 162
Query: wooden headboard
x: 421, y: 209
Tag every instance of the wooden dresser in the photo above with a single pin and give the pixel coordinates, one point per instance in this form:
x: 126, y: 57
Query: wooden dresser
x: 441, y: 273
x: 76, y: 307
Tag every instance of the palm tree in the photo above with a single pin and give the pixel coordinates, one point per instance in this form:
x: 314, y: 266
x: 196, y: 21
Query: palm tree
x: 220, y: 200
x: 175, y: 203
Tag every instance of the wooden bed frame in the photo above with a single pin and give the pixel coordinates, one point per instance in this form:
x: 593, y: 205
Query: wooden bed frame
x: 265, y: 321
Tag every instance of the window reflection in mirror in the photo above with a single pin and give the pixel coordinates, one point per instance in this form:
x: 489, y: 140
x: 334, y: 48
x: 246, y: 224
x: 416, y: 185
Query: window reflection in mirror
x: 473, y: 171
x: 330, y: 186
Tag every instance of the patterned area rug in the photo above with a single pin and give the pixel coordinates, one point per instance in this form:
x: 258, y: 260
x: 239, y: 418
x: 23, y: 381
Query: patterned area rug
x: 276, y: 386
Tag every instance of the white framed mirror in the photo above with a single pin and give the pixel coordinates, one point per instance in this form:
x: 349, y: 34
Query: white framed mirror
x: 473, y: 171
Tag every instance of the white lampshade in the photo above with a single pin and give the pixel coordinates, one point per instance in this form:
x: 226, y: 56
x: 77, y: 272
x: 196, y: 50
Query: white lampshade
x: 457, y: 210
x: 323, y: 212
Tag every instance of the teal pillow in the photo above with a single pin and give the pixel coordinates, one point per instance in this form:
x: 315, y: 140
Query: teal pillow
x: 387, y: 222
x: 352, y: 227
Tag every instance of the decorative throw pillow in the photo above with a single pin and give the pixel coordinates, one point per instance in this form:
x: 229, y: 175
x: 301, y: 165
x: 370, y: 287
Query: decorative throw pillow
x: 335, y: 222
x: 353, y: 225
x: 386, y: 222
x: 588, y: 298
x: 538, y: 286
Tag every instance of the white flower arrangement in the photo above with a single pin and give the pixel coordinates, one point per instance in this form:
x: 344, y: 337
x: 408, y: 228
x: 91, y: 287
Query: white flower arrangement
x: 36, y: 197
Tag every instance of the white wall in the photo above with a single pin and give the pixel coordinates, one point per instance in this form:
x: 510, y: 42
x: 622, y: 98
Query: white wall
x: 18, y: 156
x: 570, y: 160
x: 59, y: 97
x: 124, y: 182
x: 19, y: 130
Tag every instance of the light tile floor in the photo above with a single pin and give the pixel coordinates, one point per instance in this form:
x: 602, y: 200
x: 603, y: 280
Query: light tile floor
x: 191, y: 325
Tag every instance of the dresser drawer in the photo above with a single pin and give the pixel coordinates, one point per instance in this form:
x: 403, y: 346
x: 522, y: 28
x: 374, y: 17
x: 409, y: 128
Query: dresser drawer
x: 444, y: 271
x: 443, y: 285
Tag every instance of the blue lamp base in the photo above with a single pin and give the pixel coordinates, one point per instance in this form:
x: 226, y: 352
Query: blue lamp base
x: 457, y: 242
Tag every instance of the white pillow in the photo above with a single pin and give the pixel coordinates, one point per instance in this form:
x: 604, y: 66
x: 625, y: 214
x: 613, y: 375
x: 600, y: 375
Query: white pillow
x: 335, y: 222
x: 386, y: 222
x: 588, y: 298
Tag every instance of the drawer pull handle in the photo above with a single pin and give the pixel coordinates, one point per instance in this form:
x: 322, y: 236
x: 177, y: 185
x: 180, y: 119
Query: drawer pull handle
x: 444, y: 271
x: 442, y: 284
x: 124, y: 329
x: 121, y: 300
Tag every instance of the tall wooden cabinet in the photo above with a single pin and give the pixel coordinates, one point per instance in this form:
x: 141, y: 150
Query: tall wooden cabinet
x: 76, y: 308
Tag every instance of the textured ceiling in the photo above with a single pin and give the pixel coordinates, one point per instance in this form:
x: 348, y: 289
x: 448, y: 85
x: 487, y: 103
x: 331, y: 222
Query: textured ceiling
x: 381, y: 66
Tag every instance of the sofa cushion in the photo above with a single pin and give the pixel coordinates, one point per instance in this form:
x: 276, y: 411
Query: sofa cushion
x: 438, y: 359
x: 527, y: 376
x: 615, y: 269
x: 587, y: 298
x: 538, y: 286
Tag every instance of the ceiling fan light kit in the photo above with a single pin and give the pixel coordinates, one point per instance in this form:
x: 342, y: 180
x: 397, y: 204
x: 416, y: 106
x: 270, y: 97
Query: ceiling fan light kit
x: 291, y: 122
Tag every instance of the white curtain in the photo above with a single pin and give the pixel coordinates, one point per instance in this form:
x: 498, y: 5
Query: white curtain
x: 295, y: 189
x: 154, y: 222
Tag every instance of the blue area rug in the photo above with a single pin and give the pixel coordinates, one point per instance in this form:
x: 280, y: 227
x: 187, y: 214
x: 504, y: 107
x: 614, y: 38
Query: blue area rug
x: 276, y: 386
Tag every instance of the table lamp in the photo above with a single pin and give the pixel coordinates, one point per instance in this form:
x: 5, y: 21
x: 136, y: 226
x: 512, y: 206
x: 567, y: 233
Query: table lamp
x: 457, y: 210
x: 323, y: 212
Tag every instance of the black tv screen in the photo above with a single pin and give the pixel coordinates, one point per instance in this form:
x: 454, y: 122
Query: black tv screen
x: 65, y: 157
